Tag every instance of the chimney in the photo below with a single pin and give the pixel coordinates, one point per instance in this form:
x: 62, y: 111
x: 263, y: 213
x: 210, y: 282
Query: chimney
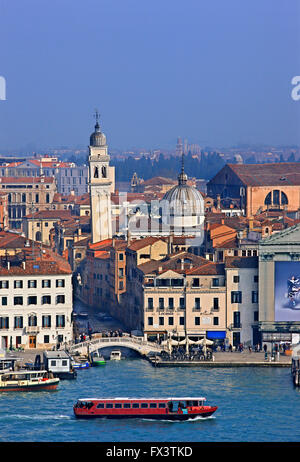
x: 24, y: 265
x: 218, y: 202
x: 182, y: 264
x: 170, y: 243
x: 160, y: 268
x: 8, y: 265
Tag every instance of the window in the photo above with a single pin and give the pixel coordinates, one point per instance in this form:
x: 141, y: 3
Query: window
x: 255, y: 316
x: 121, y: 256
x: 126, y: 405
x: 46, y: 339
x: 18, y: 300
x: 46, y: 300
x: 244, y: 253
x: 150, y: 303
x: 237, y: 319
x: 153, y: 405
x: 171, y: 321
x: 254, y: 296
x: 161, y: 321
x: 171, y: 303
x: 135, y: 405
x: 32, y: 284
x: 60, y: 320
x: 236, y: 279
x: 100, y: 406
x: 53, y: 362
x: 32, y: 300
x: 109, y: 405
x: 60, y: 283
x: 181, y: 302
x: 121, y: 272
x: 161, y: 303
x: 196, y: 282
x: 4, y: 284
x: 46, y: 321
x: 197, y: 321
x: 32, y: 320
x: 121, y: 285
x: 4, y: 323
x: 46, y: 283
x: 256, y: 278
x: 197, y: 303
x: 150, y: 321
x: 18, y: 284
x: 161, y: 405
x: 181, y: 321
x: 118, y: 405
x: 144, y: 405
x: 18, y: 322
x: 4, y: 301
x: 216, y: 321
x: 216, y: 304
x: 236, y: 297
x: 60, y: 299
x: 215, y: 282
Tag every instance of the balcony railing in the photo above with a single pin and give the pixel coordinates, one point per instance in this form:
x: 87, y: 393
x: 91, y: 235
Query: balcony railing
x: 235, y: 325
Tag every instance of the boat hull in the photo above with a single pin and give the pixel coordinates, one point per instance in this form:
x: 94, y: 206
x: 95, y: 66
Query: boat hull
x: 170, y: 416
x: 37, y: 387
x: 98, y: 363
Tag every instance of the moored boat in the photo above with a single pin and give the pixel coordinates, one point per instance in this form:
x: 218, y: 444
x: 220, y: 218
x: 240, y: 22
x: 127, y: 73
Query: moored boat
x: 115, y: 355
x: 147, y: 408
x: 27, y: 380
x: 97, y: 360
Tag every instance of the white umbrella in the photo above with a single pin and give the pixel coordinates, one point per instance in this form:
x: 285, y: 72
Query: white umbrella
x: 204, y: 341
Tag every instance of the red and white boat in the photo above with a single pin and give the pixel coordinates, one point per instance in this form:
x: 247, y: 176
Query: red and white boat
x: 147, y: 408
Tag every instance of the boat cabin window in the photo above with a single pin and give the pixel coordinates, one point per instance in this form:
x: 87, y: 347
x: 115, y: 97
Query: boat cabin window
x: 135, y: 405
x: 144, y: 405
x: 161, y: 405
x: 153, y: 405
x: 100, y: 406
x: 126, y: 405
x: 118, y: 405
x: 109, y: 405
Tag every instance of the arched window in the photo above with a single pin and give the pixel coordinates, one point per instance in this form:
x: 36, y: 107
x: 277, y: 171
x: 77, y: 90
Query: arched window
x: 96, y: 173
x: 276, y: 198
x: 104, y: 172
x: 38, y: 236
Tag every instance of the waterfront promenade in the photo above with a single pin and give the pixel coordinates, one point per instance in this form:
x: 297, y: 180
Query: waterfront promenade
x: 234, y: 359
x: 221, y: 359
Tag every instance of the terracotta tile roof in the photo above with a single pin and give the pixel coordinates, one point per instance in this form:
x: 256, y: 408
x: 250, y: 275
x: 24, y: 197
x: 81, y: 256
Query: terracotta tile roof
x: 159, y: 180
x: 50, y: 263
x: 141, y: 243
x: 268, y: 174
x: 25, y: 180
x: 241, y: 262
x: 50, y: 214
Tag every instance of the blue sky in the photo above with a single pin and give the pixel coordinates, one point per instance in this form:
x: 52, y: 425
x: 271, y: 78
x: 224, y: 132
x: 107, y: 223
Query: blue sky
x: 216, y: 72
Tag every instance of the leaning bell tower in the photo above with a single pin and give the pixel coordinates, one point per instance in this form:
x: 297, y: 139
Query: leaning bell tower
x: 100, y: 185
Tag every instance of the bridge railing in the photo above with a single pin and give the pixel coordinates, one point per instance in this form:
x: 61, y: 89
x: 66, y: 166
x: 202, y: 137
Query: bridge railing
x: 108, y: 340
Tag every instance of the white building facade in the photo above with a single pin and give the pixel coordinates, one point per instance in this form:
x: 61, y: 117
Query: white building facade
x: 36, y: 305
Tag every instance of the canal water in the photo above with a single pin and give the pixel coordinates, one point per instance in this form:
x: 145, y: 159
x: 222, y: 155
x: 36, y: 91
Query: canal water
x: 255, y: 404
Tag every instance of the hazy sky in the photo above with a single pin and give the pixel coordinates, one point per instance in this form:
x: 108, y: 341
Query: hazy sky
x: 217, y: 72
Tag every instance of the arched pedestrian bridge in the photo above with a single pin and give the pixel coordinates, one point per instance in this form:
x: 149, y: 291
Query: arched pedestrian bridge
x: 135, y: 343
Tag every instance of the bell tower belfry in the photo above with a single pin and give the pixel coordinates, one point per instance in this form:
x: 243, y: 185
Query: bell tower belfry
x: 100, y: 185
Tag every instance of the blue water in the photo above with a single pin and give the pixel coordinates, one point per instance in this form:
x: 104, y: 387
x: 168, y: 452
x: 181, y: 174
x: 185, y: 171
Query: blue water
x: 255, y: 404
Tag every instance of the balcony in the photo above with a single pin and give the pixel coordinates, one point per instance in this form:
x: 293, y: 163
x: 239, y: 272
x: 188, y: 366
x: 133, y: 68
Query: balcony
x: 32, y: 329
x: 235, y: 326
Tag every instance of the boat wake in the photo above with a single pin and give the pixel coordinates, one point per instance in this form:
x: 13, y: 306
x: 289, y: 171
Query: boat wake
x: 45, y: 417
x: 195, y: 419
